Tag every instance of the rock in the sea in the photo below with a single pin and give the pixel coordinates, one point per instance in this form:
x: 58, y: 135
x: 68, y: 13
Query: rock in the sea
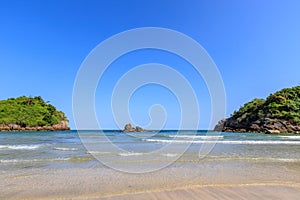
x: 130, y: 128
x: 139, y: 129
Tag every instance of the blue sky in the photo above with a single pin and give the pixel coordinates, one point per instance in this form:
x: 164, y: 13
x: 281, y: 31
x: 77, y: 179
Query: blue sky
x: 255, y: 45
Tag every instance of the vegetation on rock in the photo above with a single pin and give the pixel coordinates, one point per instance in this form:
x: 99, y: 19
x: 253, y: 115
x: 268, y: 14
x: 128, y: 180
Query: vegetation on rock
x: 280, y: 111
x: 29, y: 112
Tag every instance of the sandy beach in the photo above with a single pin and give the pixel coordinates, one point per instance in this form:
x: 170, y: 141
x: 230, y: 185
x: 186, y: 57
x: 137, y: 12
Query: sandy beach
x: 193, y: 180
x: 149, y: 100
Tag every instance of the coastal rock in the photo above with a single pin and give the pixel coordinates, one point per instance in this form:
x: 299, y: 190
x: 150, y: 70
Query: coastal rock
x: 4, y: 127
x: 274, y: 126
x: 273, y: 131
x: 63, y: 125
x: 14, y: 126
x: 254, y: 127
x: 139, y: 129
x: 220, y: 125
x: 129, y: 128
x: 279, y: 113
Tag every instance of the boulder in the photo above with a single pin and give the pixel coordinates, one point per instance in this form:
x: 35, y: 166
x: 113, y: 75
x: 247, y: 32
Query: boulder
x: 14, y: 126
x: 128, y: 128
x: 139, y: 129
x: 63, y: 125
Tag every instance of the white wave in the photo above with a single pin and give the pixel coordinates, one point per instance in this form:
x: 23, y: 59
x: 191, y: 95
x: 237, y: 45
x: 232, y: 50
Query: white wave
x: 223, y: 141
x: 170, y: 154
x: 130, y: 154
x: 20, y: 147
x: 286, y: 159
x: 9, y: 161
x: 273, y: 159
x: 290, y: 137
x: 99, y: 152
x: 198, y: 136
x: 149, y: 154
x: 65, y: 149
x: 33, y: 160
x: 276, y: 159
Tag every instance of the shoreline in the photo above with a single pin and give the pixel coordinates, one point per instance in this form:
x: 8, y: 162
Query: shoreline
x: 210, y: 180
x: 240, y: 166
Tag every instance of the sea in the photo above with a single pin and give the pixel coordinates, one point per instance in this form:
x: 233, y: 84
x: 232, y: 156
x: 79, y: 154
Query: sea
x: 155, y: 150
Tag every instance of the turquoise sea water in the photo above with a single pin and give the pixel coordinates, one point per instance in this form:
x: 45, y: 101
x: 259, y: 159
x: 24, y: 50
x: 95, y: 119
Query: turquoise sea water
x: 64, y: 149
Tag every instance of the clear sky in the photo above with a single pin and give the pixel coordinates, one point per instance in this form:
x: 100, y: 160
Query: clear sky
x: 254, y: 43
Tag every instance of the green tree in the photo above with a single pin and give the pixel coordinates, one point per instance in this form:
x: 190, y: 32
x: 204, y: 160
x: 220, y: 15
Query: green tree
x: 29, y: 111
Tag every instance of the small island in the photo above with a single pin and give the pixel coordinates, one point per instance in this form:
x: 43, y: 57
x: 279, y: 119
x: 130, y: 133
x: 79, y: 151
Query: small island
x: 31, y: 114
x: 129, y: 128
x: 279, y: 113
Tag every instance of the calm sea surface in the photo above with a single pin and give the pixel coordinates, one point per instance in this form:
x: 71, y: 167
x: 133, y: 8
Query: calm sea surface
x: 64, y: 149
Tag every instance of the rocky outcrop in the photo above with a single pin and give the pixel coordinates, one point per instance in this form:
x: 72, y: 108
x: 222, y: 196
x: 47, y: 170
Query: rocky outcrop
x: 62, y: 126
x: 139, y: 129
x: 31, y: 114
x: 278, y: 113
x: 130, y: 128
x: 266, y: 125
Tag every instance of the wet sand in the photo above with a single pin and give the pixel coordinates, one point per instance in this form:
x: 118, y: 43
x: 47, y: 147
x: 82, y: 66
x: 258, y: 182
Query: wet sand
x: 197, y: 180
x: 242, y: 191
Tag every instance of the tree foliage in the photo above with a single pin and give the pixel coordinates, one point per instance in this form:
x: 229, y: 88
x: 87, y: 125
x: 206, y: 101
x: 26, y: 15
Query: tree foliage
x: 29, y: 111
x: 284, y: 104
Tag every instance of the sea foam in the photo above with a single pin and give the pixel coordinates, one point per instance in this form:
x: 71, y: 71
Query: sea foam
x: 20, y: 147
x: 131, y: 154
x: 224, y: 141
x: 33, y: 160
x: 290, y: 137
x: 197, y: 136
x: 65, y: 149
